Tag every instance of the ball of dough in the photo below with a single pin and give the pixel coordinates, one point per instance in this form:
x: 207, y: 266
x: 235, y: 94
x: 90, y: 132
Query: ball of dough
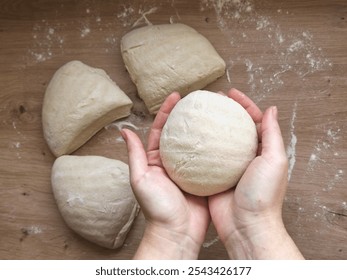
x: 169, y: 57
x: 79, y: 101
x: 94, y: 197
x: 207, y: 143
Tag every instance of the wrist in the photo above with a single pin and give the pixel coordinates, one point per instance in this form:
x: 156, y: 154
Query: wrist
x: 266, y: 239
x: 161, y: 243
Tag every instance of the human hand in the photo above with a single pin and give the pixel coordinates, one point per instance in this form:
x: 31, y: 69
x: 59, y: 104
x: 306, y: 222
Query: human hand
x: 248, y: 218
x: 176, y: 222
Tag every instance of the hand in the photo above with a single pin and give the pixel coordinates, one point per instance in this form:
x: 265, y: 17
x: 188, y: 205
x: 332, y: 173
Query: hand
x: 176, y: 222
x: 248, y: 218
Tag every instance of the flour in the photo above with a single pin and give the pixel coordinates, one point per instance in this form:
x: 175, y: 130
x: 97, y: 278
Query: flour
x: 208, y: 244
x: 32, y: 230
x: 291, y: 149
x: 294, y: 51
x: 143, y: 17
x: 127, y: 12
x: 262, y: 23
x: 333, y: 180
x: 227, y: 9
x: 49, y: 39
x: 322, y: 159
x: 121, y: 124
x: 228, y: 76
x: 141, y: 126
x: 16, y: 147
x: 85, y: 31
x: 132, y: 17
x: 46, y: 40
x: 296, y: 55
x: 16, y: 144
x: 324, y: 147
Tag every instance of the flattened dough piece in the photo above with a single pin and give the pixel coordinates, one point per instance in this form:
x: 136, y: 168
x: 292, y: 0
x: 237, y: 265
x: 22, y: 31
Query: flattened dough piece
x: 79, y: 101
x: 170, y: 57
x: 94, y: 197
x: 207, y: 143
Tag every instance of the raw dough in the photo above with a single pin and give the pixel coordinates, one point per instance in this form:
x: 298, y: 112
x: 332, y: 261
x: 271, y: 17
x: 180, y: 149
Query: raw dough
x: 79, y: 101
x: 170, y: 57
x: 94, y: 197
x: 207, y: 143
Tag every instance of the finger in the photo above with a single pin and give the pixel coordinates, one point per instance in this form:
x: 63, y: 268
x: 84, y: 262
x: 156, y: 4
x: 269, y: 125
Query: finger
x: 272, y: 141
x: 160, y: 120
x: 246, y: 103
x: 137, y: 156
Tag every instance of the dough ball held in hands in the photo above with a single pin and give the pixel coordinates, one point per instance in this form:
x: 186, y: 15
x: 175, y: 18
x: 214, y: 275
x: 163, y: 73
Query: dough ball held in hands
x: 94, y: 197
x: 169, y: 57
x: 207, y: 143
x: 79, y: 101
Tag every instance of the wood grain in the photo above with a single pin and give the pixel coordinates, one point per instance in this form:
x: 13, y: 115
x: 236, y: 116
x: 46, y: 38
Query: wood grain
x: 286, y: 53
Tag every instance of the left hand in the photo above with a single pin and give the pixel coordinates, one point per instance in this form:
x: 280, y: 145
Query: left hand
x: 176, y: 221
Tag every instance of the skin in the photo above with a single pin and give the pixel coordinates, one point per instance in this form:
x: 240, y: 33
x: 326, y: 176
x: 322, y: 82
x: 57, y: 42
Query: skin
x: 248, y: 218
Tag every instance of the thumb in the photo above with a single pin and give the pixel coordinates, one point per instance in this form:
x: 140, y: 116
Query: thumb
x: 136, y: 154
x: 272, y: 142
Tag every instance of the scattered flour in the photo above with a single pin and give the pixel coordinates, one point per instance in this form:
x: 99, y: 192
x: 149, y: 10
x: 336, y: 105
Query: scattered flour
x: 208, y: 244
x: 323, y: 157
x: 291, y: 149
x: 132, y: 16
x: 126, y: 14
x: 134, y: 122
x: 121, y: 124
x: 324, y: 148
x: 32, y: 230
x: 85, y: 31
x: 227, y: 9
x: 143, y: 17
x: 296, y: 55
x: 16, y: 144
x: 295, y: 51
x: 47, y: 40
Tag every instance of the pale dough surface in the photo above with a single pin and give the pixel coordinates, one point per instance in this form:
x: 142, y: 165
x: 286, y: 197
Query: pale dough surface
x: 207, y: 143
x: 94, y: 197
x: 169, y: 57
x: 79, y: 101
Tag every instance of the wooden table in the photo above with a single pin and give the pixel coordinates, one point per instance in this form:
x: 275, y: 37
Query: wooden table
x: 292, y: 54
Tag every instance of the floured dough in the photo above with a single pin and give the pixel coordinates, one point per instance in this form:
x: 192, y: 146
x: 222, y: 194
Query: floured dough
x: 207, y: 143
x: 79, y: 101
x: 170, y: 57
x: 94, y: 197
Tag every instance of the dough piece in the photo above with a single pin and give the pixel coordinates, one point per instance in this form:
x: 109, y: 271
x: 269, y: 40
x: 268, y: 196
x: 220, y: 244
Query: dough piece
x: 170, y: 57
x: 79, y: 101
x: 94, y: 197
x: 207, y: 143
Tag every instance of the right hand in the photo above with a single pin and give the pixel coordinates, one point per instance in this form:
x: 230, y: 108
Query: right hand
x: 248, y: 218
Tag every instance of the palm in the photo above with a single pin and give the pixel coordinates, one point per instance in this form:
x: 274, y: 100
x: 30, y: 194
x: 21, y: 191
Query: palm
x: 250, y: 199
x: 162, y: 202
x: 165, y: 205
x: 260, y: 191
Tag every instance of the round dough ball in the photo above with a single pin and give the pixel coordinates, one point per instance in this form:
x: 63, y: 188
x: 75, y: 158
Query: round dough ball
x: 207, y: 143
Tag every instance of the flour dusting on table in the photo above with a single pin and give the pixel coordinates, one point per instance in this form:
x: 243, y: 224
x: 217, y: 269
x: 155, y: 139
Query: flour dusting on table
x: 291, y: 149
x: 274, y: 54
x: 295, y: 51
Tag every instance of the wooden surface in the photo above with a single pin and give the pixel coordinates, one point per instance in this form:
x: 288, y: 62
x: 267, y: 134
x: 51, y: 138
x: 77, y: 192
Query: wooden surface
x: 292, y: 54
